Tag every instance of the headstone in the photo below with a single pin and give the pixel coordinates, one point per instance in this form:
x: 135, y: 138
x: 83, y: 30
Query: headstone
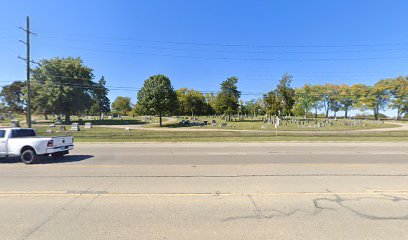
x: 223, y: 125
x: 52, y: 125
x: 49, y: 131
x: 205, y: 122
x: 127, y: 129
x: 75, y: 127
x: 88, y: 125
x: 214, y: 123
x: 62, y: 129
x: 15, y: 123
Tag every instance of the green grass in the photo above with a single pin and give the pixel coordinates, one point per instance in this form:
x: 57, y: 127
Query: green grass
x: 252, y: 124
x: 126, y: 120
x: 100, y: 134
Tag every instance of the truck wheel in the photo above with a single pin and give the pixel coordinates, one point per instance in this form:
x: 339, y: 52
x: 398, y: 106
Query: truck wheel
x: 29, y: 156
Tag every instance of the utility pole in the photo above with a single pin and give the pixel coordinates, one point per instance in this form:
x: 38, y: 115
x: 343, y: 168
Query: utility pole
x: 28, y: 61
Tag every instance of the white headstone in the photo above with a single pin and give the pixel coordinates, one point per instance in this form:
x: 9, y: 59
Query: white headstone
x: 75, y: 127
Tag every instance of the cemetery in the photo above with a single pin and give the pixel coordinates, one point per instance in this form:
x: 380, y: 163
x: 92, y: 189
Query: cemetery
x: 286, y: 123
x: 213, y: 128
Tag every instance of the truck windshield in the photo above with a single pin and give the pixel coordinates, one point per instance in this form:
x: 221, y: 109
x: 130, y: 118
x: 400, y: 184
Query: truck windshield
x: 20, y: 133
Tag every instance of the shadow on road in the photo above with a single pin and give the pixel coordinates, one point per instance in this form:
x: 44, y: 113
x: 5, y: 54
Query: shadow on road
x: 66, y: 159
x: 50, y: 160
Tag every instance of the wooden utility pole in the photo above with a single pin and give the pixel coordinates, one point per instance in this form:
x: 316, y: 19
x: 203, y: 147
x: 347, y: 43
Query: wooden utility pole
x: 28, y: 62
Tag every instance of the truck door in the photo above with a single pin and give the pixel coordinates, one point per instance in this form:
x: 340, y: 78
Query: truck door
x: 3, y: 143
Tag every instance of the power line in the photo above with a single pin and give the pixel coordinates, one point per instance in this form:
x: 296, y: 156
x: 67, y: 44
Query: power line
x: 235, y: 59
x: 229, y: 51
x: 236, y: 45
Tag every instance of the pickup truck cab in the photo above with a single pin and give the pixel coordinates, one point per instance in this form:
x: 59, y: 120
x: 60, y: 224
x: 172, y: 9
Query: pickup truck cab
x: 24, y: 143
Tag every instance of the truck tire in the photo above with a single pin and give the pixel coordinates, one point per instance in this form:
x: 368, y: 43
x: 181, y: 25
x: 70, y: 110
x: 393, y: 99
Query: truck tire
x: 29, y: 156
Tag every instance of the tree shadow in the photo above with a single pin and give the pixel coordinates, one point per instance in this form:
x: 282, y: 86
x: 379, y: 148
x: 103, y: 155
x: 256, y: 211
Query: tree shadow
x: 49, y: 160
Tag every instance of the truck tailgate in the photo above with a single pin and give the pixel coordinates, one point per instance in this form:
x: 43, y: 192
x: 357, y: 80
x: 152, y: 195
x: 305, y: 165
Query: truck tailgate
x: 62, y: 141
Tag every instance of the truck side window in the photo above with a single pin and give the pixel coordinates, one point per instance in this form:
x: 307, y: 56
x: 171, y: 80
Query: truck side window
x: 2, y: 133
x: 20, y: 133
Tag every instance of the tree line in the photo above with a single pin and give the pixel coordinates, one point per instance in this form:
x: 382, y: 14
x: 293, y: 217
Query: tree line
x: 65, y: 86
x: 62, y: 86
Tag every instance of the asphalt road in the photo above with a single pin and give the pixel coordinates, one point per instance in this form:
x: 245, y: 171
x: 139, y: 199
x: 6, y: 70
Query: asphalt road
x: 210, y: 191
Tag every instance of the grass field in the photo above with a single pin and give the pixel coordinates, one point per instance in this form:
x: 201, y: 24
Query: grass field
x: 102, y: 134
x: 258, y: 131
x: 252, y: 124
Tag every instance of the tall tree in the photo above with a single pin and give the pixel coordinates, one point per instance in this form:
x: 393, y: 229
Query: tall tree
x: 182, y: 100
x: 157, y: 96
x: 399, y: 95
x: 379, y: 97
x: 227, y: 99
x: 285, y: 94
x: 345, y: 99
x: 191, y: 102
x: 335, y: 98
x: 359, y: 95
x: 13, y: 96
x: 211, y: 100
x: 272, y: 104
x: 329, y: 98
x: 304, y: 99
x: 122, y: 105
x: 62, y: 86
x: 195, y: 102
x: 100, y: 101
x: 315, y: 97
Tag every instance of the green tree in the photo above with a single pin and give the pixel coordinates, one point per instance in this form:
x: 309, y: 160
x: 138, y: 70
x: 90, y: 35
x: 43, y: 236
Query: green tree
x: 359, y: 94
x: 62, y: 86
x: 13, y: 97
x: 345, y: 99
x: 379, y: 97
x: 272, y: 104
x: 374, y: 97
x: 157, y: 96
x: 316, y: 98
x: 182, y: 101
x: 227, y: 99
x: 285, y: 94
x: 122, y: 105
x: 334, y: 98
x: 211, y: 100
x: 100, y: 101
x: 399, y: 95
x: 195, y: 102
x: 329, y: 98
x: 191, y: 102
x: 304, y: 99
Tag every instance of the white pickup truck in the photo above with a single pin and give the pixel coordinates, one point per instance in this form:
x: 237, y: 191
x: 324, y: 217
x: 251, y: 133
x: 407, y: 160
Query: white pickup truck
x: 24, y: 143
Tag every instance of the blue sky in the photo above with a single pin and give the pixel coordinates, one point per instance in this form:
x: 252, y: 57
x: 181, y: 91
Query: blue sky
x: 198, y: 44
